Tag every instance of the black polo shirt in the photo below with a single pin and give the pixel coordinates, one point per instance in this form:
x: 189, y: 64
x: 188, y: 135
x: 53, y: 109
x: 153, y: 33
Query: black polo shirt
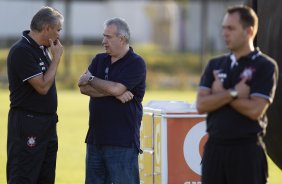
x: 262, y: 73
x: 26, y: 60
x: 111, y: 121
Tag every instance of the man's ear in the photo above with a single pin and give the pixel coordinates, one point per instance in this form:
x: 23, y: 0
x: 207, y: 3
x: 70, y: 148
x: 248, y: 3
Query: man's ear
x: 250, y: 31
x: 45, y: 28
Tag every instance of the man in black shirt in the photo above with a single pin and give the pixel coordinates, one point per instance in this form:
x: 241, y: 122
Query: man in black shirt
x: 235, y: 90
x: 115, y: 81
x: 32, y: 138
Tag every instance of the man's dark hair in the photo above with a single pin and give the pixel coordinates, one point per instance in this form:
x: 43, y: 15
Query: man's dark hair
x: 45, y: 16
x: 248, y: 17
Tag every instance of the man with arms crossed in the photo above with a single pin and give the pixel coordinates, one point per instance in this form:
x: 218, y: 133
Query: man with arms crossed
x: 235, y: 90
x: 32, y: 138
x: 115, y: 82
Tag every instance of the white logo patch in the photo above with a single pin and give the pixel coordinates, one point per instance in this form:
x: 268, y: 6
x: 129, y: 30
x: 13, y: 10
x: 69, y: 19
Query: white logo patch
x: 31, y: 141
x: 248, y: 73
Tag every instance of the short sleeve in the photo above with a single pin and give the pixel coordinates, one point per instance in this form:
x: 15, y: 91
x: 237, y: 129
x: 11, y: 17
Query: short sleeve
x: 25, y: 64
x: 265, y: 81
x: 91, y: 67
x: 207, y: 77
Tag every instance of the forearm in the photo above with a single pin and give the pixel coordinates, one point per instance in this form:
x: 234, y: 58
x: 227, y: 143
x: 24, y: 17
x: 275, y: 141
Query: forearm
x: 108, y: 87
x: 49, y: 76
x: 90, y: 91
x: 43, y: 83
x: 211, y: 102
x: 253, y: 108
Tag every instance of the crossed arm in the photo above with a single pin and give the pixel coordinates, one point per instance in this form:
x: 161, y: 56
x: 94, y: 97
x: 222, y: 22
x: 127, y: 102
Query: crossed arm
x: 209, y: 100
x: 100, y: 88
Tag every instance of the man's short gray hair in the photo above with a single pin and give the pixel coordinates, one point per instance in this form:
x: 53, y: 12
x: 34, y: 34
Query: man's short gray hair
x: 45, y: 16
x: 122, y: 27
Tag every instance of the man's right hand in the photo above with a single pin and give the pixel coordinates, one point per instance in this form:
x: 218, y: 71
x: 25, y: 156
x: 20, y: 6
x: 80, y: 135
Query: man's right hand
x: 56, y: 50
x: 217, y: 85
x: 242, y: 88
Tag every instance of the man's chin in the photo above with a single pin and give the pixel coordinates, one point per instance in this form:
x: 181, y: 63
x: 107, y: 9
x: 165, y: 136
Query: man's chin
x: 107, y: 51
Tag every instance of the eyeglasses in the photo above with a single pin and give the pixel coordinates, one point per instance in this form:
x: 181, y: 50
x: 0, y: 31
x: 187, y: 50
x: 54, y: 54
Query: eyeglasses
x: 106, y: 73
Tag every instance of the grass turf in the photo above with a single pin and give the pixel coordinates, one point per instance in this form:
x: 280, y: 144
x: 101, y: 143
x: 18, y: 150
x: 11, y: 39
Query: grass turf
x: 72, y: 128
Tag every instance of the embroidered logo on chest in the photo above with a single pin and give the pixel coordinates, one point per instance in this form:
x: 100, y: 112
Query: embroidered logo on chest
x: 248, y: 73
x: 31, y: 141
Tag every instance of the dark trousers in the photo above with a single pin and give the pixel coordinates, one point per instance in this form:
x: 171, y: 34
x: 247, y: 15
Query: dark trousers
x: 31, y: 147
x: 235, y: 162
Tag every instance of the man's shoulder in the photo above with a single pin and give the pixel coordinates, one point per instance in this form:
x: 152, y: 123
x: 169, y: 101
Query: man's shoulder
x: 136, y: 57
x: 19, y: 45
x: 19, y: 49
x: 266, y: 62
x: 266, y: 58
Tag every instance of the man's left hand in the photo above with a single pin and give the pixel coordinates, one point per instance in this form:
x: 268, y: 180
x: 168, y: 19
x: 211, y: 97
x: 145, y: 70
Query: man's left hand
x: 125, y: 97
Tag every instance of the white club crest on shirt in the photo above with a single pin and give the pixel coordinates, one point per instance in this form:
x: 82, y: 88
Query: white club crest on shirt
x: 247, y: 73
x: 31, y: 141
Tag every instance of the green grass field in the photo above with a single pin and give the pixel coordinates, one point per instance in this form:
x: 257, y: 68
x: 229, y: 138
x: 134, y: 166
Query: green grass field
x: 72, y: 127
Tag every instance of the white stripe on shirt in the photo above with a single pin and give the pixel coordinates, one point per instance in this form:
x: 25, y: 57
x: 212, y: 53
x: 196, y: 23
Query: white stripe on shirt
x: 32, y: 76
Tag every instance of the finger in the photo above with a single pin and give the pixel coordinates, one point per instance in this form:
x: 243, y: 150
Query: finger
x: 244, y: 79
x: 58, y: 42
x: 51, y: 43
x: 130, y: 94
x: 215, y: 74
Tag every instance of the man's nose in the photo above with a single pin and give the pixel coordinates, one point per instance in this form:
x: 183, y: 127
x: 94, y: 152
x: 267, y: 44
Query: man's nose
x: 104, y: 40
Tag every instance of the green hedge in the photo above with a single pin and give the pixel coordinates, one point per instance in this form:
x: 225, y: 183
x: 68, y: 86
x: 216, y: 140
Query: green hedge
x: 165, y: 69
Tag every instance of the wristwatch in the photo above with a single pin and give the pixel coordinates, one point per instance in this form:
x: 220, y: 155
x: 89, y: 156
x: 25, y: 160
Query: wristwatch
x: 91, y: 78
x: 233, y: 93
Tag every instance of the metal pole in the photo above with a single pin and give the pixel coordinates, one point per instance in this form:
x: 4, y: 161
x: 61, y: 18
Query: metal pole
x: 67, y: 38
x: 204, y: 9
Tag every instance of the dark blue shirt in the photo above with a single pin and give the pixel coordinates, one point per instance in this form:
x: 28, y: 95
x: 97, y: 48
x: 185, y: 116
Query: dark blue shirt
x: 26, y: 60
x: 262, y: 73
x: 112, y: 122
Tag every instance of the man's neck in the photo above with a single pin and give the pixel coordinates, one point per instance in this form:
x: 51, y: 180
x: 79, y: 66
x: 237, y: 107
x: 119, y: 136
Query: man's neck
x: 243, y: 51
x: 36, y: 37
x: 121, y: 55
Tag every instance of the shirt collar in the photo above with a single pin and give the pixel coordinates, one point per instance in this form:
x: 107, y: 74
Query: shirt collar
x: 31, y: 41
x: 252, y: 56
x: 129, y: 52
